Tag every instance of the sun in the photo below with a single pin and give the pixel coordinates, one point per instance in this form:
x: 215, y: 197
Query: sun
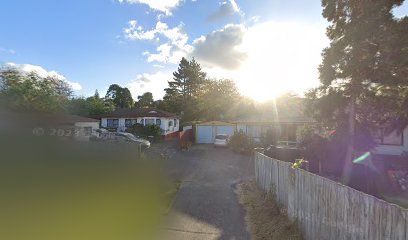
x: 282, y: 57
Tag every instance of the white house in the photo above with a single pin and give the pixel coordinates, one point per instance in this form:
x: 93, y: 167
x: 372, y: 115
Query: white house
x: 287, y: 127
x: 393, y: 143
x: 121, y: 119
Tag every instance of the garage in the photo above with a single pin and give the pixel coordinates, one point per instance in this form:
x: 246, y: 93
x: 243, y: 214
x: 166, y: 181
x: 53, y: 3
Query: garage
x: 205, y: 132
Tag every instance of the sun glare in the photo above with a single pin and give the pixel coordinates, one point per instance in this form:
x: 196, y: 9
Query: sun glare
x: 282, y: 57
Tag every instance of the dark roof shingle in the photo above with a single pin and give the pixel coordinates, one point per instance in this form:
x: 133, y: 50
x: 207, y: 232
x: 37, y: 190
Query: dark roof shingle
x: 139, y: 112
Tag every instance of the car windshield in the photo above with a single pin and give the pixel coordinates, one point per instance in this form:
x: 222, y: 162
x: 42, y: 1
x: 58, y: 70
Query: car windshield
x: 221, y: 137
x: 131, y: 136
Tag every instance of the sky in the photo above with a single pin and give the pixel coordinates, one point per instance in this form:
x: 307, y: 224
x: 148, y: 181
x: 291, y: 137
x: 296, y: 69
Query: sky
x: 266, y: 47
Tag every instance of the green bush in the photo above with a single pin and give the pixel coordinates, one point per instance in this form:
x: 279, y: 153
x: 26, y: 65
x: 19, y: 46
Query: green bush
x: 241, y: 143
x: 145, y: 131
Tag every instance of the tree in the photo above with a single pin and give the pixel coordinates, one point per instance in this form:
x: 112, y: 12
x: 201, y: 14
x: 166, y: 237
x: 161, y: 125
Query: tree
x: 121, y: 97
x: 31, y: 92
x: 217, y: 98
x: 145, y: 100
x: 183, y: 91
x: 358, y: 60
x: 93, y: 106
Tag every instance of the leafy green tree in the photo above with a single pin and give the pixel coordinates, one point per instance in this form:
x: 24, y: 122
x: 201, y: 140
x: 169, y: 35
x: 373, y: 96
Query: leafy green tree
x: 93, y: 106
x: 217, y: 98
x: 31, y: 92
x: 358, y: 61
x: 120, y: 96
x: 145, y: 100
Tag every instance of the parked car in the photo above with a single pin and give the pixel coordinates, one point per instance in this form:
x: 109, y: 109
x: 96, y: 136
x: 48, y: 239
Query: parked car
x: 128, y: 137
x: 121, y: 137
x: 221, y: 140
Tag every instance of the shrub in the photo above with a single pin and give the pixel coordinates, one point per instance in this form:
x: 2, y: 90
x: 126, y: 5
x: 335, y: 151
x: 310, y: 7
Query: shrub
x: 241, y: 143
x: 145, y: 131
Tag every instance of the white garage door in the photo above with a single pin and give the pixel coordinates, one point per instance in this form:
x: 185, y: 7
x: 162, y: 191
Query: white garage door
x: 204, y: 134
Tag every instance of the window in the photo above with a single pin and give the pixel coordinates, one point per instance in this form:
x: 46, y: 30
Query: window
x: 142, y: 121
x: 158, y: 122
x: 175, y: 122
x: 130, y: 122
x: 112, y: 123
x: 149, y: 121
x: 170, y: 123
x: 393, y: 138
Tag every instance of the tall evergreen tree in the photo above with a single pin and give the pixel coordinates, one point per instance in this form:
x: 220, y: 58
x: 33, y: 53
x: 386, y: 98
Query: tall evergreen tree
x: 183, y: 90
x: 358, y: 58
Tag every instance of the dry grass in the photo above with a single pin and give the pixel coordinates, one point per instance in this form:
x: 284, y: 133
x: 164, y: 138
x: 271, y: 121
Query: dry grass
x: 264, y: 218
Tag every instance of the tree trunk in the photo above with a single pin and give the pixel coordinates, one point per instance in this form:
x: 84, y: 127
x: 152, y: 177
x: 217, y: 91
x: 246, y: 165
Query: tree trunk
x: 350, y: 147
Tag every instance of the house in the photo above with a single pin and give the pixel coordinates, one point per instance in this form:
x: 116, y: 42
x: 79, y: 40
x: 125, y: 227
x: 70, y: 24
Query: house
x: 394, y: 143
x: 59, y: 125
x: 288, y: 128
x: 120, y: 119
x: 205, y: 132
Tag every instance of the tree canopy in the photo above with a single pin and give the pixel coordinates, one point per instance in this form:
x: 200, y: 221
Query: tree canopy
x: 32, y: 92
x: 145, y: 100
x: 363, y: 69
x: 120, y: 96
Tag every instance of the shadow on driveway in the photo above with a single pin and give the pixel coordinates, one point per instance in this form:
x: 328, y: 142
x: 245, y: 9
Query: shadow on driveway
x: 206, y: 206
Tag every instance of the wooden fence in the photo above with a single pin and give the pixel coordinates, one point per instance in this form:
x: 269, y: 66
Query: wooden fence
x: 328, y: 210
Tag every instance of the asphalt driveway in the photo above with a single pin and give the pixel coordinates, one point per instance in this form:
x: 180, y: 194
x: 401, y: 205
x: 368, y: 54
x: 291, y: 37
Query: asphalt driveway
x: 206, y: 206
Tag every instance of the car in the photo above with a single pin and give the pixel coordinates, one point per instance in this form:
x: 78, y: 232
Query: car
x: 221, y: 140
x: 121, y: 137
x: 128, y: 137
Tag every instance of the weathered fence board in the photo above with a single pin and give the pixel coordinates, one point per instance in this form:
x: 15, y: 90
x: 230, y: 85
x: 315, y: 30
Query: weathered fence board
x: 325, y: 209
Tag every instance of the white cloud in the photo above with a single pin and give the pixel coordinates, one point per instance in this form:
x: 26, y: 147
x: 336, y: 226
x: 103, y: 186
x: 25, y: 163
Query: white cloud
x: 227, y: 9
x: 264, y: 58
x: 281, y: 57
x: 28, y: 68
x: 154, y: 83
x: 164, y: 6
x: 169, y: 52
x: 221, y: 47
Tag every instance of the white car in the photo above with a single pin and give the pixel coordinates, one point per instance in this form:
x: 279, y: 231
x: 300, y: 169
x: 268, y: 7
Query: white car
x: 221, y: 140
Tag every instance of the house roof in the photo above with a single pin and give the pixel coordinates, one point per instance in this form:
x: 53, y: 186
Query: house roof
x: 215, y: 123
x: 282, y: 119
x: 139, y: 112
x: 70, y: 118
x: 31, y: 118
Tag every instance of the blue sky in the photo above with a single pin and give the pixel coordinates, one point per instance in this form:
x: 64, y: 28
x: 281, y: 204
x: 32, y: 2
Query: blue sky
x: 137, y: 43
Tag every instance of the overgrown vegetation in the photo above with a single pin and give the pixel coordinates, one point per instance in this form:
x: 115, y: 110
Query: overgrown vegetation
x: 241, y: 143
x: 145, y: 131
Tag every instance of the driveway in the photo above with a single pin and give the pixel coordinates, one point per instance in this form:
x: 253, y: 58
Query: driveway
x: 206, y: 206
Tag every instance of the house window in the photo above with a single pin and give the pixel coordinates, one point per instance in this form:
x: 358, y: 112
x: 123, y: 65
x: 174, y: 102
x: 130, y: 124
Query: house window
x: 170, y: 123
x: 175, y: 122
x: 130, y: 122
x: 158, y: 122
x: 142, y: 121
x: 149, y: 121
x: 393, y: 138
x: 112, y: 123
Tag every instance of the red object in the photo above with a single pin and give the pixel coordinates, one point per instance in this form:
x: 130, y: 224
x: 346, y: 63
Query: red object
x: 171, y: 136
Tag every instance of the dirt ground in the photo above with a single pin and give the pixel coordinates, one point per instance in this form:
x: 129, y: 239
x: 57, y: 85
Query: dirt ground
x: 263, y: 217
